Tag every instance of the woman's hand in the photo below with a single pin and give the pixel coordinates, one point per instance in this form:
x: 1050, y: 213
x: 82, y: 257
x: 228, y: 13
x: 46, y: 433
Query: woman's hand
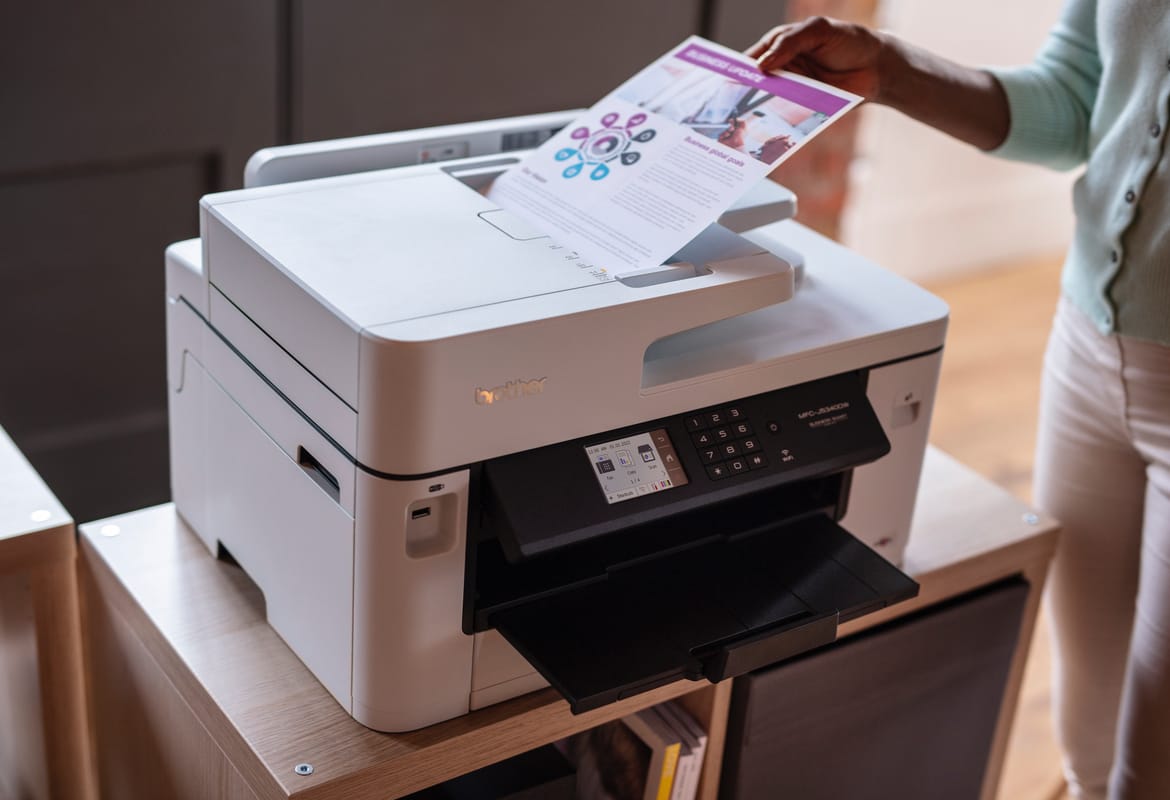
x: 844, y: 55
x: 966, y: 103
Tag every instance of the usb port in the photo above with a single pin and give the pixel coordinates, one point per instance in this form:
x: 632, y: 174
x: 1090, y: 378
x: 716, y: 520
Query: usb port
x: 419, y: 513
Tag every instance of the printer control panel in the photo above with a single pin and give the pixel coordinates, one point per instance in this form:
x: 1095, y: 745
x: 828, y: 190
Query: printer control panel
x: 636, y: 465
x: 727, y: 442
x: 619, y: 480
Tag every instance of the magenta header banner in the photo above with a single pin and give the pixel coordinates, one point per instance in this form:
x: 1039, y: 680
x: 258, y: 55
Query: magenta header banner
x: 801, y: 93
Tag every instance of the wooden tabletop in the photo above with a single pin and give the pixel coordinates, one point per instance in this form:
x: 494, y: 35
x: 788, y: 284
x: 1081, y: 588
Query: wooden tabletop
x: 34, y: 527
x: 202, y: 621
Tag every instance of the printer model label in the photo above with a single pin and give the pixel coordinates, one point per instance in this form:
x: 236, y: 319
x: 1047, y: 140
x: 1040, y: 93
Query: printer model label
x: 636, y: 465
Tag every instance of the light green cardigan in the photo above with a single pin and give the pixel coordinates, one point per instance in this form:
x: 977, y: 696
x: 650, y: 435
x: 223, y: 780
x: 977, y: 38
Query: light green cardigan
x: 1099, y: 92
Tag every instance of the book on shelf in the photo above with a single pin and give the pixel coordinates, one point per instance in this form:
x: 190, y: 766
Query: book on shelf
x: 666, y: 747
x: 694, y: 747
x: 634, y: 758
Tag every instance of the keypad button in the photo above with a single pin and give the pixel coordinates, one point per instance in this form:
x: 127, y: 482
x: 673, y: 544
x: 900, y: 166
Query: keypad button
x: 703, y: 438
x: 741, y: 429
x: 737, y: 465
x: 729, y: 450
x: 717, y: 472
x: 749, y: 446
x: 710, y: 455
x: 757, y: 461
x: 716, y: 418
x: 734, y: 413
x: 696, y: 422
x: 773, y: 427
x: 722, y: 434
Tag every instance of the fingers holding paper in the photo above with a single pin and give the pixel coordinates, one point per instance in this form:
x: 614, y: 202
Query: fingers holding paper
x: 838, y: 53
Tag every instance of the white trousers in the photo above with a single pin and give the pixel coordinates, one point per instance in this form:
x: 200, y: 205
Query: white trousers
x: 1103, y: 471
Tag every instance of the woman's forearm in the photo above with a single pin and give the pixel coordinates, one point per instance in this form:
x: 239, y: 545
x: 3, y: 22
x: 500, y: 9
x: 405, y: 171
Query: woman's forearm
x: 965, y: 102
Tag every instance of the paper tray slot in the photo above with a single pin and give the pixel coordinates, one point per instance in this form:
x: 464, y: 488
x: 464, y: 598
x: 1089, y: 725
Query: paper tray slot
x: 714, y: 611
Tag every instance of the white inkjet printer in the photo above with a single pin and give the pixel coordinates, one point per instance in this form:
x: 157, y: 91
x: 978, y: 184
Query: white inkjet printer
x: 462, y: 464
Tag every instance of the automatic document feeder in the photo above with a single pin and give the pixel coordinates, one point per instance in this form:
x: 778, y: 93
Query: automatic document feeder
x: 462, y: 464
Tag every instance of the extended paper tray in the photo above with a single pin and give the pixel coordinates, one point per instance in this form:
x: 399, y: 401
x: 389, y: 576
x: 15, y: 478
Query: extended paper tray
x: 716, y: 611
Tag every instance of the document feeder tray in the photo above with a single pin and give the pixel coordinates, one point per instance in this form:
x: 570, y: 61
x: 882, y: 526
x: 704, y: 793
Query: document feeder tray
x: 711, y: 578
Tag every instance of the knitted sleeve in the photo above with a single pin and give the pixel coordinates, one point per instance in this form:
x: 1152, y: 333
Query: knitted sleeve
x: 1051, y: 99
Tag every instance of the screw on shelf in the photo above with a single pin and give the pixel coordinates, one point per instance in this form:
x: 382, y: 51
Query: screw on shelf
x: 1031, y: 518
x: 303, y: 769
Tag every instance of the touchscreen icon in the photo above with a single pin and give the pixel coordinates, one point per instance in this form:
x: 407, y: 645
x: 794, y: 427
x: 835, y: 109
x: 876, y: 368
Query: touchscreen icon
x: 604, y: 465
x: 624, y: 458
x: 646, y: 452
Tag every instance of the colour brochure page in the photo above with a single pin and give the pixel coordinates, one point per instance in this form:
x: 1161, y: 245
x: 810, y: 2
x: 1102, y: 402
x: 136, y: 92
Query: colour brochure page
x: 645, y: 170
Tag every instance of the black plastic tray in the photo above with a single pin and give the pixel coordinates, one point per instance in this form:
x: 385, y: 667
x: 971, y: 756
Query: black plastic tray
x: 713, y: 611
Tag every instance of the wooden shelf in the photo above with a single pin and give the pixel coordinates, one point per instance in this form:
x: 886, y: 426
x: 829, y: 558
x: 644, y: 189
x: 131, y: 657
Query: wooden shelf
x: 42, y: 682
x: 184, y: 668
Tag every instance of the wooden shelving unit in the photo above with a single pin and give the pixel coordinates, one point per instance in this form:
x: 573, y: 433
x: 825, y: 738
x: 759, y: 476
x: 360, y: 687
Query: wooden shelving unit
x: 194, y: 694
x: 44, y: 742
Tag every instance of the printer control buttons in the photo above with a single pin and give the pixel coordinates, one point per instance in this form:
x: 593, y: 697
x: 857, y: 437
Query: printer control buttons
x: 722, y: 434
x: 696, y: 422
x: 773, y: 427
x: 737, y: 465
x: 718, y: 471
x: 703, y: 439
x: 710, y: 455
x: 716, y: 418
x: 741, y: 429
x: 729, y: 450
x: 757, y: 461
x: 733, y: 414
x: 749, y: 446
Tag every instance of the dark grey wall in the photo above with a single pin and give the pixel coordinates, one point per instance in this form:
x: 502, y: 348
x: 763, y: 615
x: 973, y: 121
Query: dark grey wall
x: 116, y: 117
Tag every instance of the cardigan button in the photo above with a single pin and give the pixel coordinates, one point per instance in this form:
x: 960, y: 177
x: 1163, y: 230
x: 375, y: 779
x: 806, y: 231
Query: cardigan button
x: 1113, y: 256
x: 1130, y: 196
x: 1155, y: 130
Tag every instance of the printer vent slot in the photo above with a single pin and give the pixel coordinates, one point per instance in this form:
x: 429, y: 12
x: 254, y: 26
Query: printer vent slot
x: 321, y: 476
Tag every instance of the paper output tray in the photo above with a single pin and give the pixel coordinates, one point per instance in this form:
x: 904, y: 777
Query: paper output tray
x: 717, y: 610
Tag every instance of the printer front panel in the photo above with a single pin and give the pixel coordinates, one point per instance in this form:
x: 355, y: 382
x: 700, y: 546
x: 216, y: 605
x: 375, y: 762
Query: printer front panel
x: 580, y: 548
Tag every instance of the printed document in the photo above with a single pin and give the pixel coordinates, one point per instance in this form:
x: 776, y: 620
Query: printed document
x: 657, y: 160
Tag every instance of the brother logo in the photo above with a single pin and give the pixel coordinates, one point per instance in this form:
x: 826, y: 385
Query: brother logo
x: 509, y: 391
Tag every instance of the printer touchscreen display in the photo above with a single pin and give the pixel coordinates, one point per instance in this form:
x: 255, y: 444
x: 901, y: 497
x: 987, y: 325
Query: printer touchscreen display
x: 636, y: 465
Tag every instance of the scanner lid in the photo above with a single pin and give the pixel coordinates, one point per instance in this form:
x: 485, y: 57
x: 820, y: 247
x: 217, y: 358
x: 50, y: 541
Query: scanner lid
x: 411, y: 244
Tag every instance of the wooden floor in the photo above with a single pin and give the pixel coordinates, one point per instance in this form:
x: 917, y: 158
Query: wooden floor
x: 985, y: 416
